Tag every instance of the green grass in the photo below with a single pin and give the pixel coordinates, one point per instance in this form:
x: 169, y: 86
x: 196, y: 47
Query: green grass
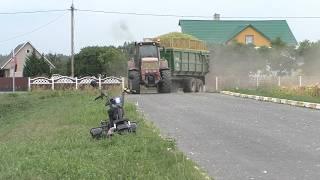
x: 280, y: 93
x: 45, y: 135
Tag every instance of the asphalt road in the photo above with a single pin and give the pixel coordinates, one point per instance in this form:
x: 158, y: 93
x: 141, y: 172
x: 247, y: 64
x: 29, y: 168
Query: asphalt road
x: 235, y: 138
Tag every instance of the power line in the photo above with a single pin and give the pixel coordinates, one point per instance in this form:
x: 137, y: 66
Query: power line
x: 32, y: 12
x: 161, y: 15
x: 34, y: 30
x: 275, y: 17
x: 198, y: 16
x: 141, y: 14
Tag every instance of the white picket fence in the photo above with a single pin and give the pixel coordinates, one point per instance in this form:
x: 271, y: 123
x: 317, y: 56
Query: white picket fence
x: 76, y: 82
x: 215, y: 83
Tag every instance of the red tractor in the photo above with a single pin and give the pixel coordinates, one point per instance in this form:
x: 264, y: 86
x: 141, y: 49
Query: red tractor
x: 148, y: 69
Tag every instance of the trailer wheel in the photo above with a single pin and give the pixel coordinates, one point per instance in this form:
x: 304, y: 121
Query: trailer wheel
x: 190, y: 85
x: 199, y: 86
x: 134, y: 81
x: 165, y: 85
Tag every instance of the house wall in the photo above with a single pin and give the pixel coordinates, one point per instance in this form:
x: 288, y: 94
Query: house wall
x: 21, y: 59
x: 259, y: 39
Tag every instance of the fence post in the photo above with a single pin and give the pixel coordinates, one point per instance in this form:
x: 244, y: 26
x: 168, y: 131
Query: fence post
x: 52, y: 83
x: 300, y: 81
x: 217, y: 83
x: 122, y: 82
x: 29, y: 85
x: 279, y: 81
x: 76, y: 83
x: 100, y: 82
x: 257, y: 81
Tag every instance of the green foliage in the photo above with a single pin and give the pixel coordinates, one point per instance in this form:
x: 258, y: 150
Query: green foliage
x: 128, y: 49
x: 100, y: 60
x: 61, y: 63
x: 309, y: 53
x: 237, y: 59
x: 278, y: 44
x: 41, y: 139
x: 35, y: 66
x: 113, y: 62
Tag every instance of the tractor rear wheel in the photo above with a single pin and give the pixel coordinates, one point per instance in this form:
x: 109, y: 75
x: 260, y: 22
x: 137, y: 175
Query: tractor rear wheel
x: 190, y: 85
x: 199, y: 86
x: 134, y: 82
x: 165, y: 85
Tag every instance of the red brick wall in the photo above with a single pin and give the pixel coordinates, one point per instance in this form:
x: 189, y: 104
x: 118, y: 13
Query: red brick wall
x: 21, y: 84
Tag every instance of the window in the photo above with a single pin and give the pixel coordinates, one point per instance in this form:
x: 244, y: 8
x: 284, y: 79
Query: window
x: 148, y: 51
x: 28, y: 51
x: 249, y: 39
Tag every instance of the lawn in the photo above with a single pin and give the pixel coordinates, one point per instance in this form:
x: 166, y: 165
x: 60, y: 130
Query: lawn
x: 45, y: 135
x: 291, y: 94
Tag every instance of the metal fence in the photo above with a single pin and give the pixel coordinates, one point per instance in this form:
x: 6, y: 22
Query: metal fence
x: 218, y: 83
x: 58, y: 82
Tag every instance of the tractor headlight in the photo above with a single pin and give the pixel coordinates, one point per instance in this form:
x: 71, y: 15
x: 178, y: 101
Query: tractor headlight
x: 118, y: 100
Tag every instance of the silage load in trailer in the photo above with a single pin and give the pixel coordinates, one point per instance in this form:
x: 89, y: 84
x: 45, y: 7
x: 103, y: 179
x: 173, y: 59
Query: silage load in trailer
x: 179, y: 40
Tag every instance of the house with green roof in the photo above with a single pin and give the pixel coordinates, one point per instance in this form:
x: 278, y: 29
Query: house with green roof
x: 258, y: 33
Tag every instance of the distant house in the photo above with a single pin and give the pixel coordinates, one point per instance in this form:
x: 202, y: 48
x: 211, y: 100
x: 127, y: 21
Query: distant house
x: 258, y: 33
x: 22, y: 51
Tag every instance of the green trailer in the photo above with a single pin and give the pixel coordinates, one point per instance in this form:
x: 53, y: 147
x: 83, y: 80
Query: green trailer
x: 188, y: 68
x: 188, y: 60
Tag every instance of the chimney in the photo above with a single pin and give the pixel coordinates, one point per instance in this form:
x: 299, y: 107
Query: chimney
x: 216, y: 17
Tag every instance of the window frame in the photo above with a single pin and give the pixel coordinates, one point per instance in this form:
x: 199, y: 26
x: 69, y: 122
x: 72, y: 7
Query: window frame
x: 246, y: 38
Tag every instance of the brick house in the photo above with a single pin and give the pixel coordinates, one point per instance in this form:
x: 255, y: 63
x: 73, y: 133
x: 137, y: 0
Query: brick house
x: 22, y: 51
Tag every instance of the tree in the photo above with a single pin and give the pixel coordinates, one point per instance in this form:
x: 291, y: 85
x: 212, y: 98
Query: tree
x: 91, y: 61
x: 61, y: 63
x: 113, y: 62
x: 35, y: 66
x: 278, y: 44
x: 128, y: 48
x: 309, y: 53
x: 86, y: 61
x: 235, y: 59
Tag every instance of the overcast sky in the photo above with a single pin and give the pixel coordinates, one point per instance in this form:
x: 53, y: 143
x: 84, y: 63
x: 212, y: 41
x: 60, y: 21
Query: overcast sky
x: 108, y: 29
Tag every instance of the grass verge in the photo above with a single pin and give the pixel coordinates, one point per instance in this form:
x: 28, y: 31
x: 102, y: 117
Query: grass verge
x: 45, y: 135
x: 280, y: 93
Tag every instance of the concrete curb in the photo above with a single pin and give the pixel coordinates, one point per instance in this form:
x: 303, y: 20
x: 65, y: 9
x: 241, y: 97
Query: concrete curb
x: 275, y: 100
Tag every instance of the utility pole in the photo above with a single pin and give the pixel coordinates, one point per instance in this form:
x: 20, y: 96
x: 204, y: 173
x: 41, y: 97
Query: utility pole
x: 72, y: 40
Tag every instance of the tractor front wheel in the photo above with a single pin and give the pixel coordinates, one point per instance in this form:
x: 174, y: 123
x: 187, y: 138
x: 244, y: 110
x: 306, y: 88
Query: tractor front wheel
x: 165, y: 85
x: 134, y: 82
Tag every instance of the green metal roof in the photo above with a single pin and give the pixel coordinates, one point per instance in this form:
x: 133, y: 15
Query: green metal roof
x: 219, y: 32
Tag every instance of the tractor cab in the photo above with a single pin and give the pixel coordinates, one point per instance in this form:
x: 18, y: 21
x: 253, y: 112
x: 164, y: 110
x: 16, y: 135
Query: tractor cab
x: 147, y: 68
